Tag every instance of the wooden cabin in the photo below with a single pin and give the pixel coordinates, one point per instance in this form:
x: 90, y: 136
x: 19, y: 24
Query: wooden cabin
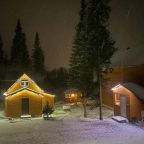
x: 119, y: 75
x: 118, y: 84
x: 72, y: 95
x: 129, y: 100
x: 25, y: 97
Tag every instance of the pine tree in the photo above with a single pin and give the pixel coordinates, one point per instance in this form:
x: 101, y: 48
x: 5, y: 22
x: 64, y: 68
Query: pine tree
x: 1, y: 51
x: 26, y: 59
x: 19, y: 51
x: 3, y: 63
x: 3, y: 55
x: 38, y: 56
x: 77, y: 50
x: 100, y: 44
x: 79, y: 73
x: 93, y: 46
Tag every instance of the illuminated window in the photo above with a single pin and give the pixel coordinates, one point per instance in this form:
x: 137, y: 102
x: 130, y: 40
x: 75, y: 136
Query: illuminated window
x: 24, y: 83
x: 117, y: 99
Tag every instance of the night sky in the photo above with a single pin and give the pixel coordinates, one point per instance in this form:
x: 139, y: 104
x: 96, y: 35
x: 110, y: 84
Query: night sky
x: 55, y: 20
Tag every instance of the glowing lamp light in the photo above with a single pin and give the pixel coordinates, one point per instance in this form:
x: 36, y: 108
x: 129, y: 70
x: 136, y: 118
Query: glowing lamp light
x: 5, y: 94
x: 72, y: 95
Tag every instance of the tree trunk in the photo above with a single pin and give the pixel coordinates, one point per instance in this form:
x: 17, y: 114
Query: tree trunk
x: 47, y: 115
x: 84, y: 105
x: 100, y: 99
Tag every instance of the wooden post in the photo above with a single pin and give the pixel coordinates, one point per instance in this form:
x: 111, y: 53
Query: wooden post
x: 100, y: 99
x: 84, y: 105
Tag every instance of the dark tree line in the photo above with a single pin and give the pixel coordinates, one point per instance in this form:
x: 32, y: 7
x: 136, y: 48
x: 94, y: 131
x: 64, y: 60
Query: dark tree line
x: 20, y: 61
x: 57, y: 81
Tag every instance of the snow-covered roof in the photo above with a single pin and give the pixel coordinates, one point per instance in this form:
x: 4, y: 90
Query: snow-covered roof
x: 16, y: 85
x: 21, y: 89
x: 135, y: 88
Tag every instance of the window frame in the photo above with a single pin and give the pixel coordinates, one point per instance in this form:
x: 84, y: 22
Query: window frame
x: 117, y: 99
x: 24, y: 83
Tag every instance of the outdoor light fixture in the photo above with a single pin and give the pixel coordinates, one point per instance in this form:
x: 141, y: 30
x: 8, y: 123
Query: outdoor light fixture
x: 5, y: 94
x: 72, y: 95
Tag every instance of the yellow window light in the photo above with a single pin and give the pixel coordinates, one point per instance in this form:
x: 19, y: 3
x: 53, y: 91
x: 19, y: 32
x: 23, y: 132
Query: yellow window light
x: 73, y: 95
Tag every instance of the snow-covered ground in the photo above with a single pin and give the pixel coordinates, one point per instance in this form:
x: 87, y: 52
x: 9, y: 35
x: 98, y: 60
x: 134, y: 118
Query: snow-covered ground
x: 70, y: 128
x: 76, y: 112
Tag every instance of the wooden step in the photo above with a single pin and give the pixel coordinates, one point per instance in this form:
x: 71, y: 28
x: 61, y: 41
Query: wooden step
x: 120, y: 119
x: 25, y: 116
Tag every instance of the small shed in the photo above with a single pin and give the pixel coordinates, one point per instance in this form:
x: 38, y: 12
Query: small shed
x: 25, y: 97
x: 72, y: 95
x: 128, y: 100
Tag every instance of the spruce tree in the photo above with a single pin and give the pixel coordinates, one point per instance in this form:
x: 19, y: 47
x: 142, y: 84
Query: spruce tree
x: 25, y: 61
x: 100, y: 44
x: 78, y: 49
x: 93, y: 46
x: 1, y: 51
x: 79, y: 72
x: 38, y: 56
x: 3, y: 55
x: 3, y: 63
x: 19, y: 51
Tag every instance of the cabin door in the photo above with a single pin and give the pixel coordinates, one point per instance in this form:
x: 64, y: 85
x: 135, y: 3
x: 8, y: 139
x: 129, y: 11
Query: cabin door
x: 123, y: 106
x: 25, y: 106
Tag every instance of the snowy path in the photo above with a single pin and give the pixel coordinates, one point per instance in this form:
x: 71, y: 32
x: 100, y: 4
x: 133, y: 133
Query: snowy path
x: 66, y: 131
